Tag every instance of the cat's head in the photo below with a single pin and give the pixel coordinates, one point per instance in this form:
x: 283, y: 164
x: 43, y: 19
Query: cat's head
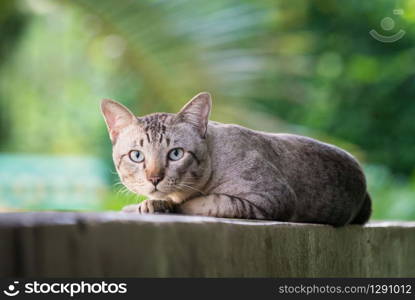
x: 161, y: 155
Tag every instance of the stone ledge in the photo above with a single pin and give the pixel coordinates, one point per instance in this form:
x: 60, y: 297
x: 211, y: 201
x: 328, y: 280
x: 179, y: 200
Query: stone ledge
x: 121, y: 245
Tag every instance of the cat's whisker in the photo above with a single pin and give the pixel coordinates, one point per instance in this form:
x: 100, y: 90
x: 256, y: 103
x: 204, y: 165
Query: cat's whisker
x: 117, y: 183
x: 118, y: 191
x: 187, y: 182
x: 123, y: 191
x: 191, y: 177
x: 190, y: 187
x: 181, y: 188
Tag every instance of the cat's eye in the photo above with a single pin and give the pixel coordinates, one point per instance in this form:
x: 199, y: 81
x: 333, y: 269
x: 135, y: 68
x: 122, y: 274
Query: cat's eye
x: 176, y: 154
x: 136, y: 156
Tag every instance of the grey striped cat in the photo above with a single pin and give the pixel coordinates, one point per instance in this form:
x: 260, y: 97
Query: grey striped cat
x: 187, y: 164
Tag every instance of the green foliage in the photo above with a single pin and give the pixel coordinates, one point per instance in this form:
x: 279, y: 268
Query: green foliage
x: 307, y: 67
x: 393, y: 195
x: 348, y: 84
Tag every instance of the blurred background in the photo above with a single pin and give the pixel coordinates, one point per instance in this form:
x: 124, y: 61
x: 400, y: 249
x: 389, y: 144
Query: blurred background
x: 304, y: 67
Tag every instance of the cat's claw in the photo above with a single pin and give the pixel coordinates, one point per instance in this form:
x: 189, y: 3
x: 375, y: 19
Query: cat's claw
x: 150, y: 206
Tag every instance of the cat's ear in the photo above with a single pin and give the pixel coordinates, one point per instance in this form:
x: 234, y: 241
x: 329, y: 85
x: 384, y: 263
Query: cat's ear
x: 197, y: 111
x: 117, y: 117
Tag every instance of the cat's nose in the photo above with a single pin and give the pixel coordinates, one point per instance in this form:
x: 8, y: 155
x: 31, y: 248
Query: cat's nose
x: 155, y: 179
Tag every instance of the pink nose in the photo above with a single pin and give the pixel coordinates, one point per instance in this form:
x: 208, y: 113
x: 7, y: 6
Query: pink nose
x: 155, y: 179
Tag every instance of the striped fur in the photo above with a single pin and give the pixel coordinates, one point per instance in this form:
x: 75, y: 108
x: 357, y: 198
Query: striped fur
x: 233, y: 172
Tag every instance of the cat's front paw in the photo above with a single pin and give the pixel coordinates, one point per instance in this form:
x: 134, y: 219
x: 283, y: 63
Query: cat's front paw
x: 150, y: 206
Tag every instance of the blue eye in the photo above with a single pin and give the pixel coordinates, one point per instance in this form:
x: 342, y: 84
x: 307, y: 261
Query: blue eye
x: 136, y: 156
x: 176, y: 154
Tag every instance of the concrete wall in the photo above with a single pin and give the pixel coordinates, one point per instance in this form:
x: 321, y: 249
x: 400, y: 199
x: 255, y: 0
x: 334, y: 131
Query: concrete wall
x: 116, y: 244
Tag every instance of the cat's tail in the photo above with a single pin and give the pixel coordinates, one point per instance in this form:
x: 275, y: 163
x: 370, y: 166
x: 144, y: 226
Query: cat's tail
x: 365, y: 211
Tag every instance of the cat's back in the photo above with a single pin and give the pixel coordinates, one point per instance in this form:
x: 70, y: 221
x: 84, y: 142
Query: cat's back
x: 297, y: 157
x: 233, y: 138
x: 281, y: 145
x: 250, y: 139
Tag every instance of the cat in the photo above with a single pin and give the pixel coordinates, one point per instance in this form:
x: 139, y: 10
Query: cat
x: 187, y: 164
